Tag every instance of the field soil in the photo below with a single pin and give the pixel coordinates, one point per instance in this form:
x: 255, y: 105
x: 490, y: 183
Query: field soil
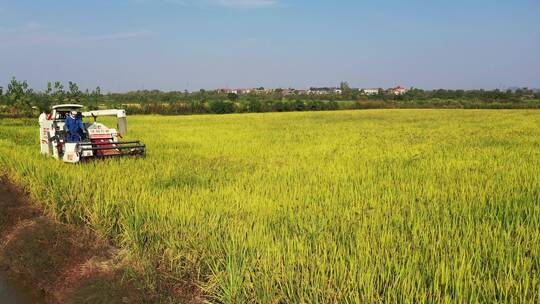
x: 46, y: 261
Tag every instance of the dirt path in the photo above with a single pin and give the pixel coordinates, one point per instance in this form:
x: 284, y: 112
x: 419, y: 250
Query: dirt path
x: 58, y: 263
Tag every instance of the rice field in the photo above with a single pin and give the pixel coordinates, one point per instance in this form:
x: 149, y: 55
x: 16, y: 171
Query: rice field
x: 394, y: 206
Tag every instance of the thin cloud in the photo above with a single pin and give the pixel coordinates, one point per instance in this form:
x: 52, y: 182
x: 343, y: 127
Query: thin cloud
x: 240, y: 4
x: 121, y: 36
x: 247, y: 3
x: 35, y: 34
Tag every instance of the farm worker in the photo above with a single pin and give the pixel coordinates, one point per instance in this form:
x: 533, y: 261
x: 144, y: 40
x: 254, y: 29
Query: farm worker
x: 73, y: 127
x: 80, y: 124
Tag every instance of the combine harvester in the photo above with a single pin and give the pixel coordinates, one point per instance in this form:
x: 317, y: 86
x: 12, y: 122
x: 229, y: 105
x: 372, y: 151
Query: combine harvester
x: 97, y: 141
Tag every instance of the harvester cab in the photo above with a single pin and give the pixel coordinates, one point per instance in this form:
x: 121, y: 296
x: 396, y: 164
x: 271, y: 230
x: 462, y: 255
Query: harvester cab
x: 94, y: 141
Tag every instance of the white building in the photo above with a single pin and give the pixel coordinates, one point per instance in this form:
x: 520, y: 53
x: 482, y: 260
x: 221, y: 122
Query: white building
x: 324, y: 91
x: 398, y: 90
x: 370, y: 91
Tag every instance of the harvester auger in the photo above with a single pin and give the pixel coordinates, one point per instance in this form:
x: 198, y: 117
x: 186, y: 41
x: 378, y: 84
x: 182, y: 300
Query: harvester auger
x: 97, y: 140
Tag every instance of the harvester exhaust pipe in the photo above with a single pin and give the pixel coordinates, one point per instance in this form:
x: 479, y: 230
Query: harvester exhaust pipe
x: 122, y: 125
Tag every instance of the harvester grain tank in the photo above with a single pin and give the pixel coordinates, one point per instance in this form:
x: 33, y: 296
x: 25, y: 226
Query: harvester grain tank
x: 97, y: 141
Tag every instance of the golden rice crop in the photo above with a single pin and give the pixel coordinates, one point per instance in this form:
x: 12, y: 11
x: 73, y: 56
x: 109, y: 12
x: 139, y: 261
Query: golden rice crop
x: 328, y: 207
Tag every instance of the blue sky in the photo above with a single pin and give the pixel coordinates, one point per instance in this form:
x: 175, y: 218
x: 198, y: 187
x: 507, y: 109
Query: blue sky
x: 190, y: 44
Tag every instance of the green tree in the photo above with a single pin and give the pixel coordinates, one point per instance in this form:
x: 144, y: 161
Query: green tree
x: 221, y: 107
x: 232, y: 96
x: 56, y: 91
x: 19, y: 95
x: 346, y: 91
x: 254, y: 105
x: 299, y: 105
x: 344, y: 86
x: 94, y: 98
x: 74, y: 94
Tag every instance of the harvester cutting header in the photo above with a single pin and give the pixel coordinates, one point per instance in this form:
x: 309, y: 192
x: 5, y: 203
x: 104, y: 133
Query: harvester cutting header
x: 65, y: 136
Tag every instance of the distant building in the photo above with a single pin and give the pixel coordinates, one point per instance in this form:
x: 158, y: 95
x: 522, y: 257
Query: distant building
x: 324, y: 90
x: 227, y: 91
x: 262, y: 90
x: 370, y: 91
x: 235, y: 91
x: 398, y: 90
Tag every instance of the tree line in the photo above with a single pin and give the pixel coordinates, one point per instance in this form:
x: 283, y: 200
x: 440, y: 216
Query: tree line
x: 19, y: 99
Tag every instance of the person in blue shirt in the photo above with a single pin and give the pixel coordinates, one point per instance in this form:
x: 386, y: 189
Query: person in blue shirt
x: 82, y: 129
x: 74, y: 127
